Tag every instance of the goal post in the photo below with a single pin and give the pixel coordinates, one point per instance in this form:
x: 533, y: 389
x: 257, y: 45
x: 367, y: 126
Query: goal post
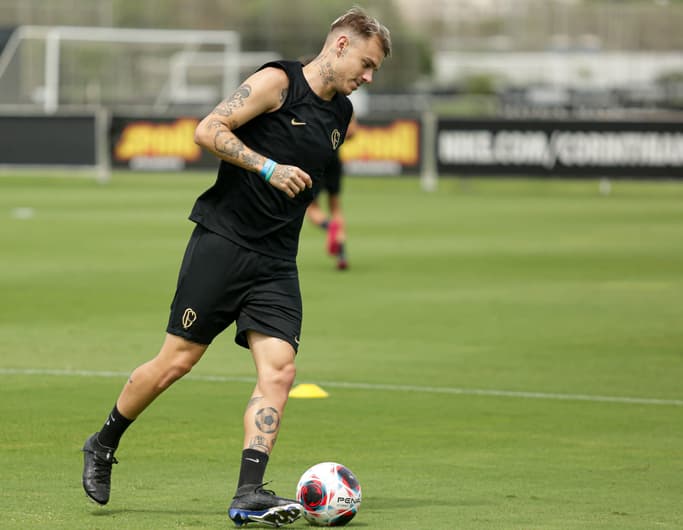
x: 429, y: 178
x: 76, y: 77
x: 57, y: 66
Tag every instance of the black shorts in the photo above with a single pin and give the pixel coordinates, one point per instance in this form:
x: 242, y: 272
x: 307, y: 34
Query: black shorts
x: 220, y: 283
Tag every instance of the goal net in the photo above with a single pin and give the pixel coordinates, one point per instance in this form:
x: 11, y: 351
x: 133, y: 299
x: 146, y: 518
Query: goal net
x: 56, y: 67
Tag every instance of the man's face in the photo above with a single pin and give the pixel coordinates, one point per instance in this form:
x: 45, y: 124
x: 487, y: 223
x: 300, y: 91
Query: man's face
x: 361, y: 58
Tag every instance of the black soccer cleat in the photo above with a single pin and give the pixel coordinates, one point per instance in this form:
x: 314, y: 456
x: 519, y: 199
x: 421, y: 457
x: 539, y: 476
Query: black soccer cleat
x: 97, y: 462
x: 252, y: 503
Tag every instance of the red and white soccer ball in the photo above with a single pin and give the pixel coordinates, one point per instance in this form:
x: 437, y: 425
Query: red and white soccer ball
x: 330, y: 494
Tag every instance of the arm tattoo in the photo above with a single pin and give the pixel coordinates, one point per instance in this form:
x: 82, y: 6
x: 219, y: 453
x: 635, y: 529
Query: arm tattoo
x: 267, y: 420
x: 218, y: 125
x: 227, y: 144
x: 227, y: 106
x: 224, y: 141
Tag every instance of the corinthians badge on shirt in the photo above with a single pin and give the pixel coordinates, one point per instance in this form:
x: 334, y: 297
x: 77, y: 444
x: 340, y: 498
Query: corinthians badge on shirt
x: 335, y: 137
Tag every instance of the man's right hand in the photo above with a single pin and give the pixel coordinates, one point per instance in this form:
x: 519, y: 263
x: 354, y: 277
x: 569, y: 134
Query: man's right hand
x: 290, y: 179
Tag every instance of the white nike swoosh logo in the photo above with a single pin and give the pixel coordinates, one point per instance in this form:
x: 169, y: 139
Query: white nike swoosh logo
x: 296, y: 122
x: 255, y: 460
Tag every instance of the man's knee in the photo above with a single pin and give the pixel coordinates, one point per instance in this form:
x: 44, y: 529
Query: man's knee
x: 169, y: 373
x: 288, y: 374
x: 281, y: 376
x: 176, y: 359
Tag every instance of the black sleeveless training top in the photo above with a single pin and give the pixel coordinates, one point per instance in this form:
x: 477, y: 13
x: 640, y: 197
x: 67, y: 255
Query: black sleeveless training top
x: 249, y: 211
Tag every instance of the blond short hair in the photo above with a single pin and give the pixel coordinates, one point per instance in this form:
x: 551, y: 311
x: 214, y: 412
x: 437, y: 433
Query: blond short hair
x: 361, y: 23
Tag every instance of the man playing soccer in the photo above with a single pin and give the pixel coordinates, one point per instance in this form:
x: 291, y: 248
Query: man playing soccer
x: 274, y: 136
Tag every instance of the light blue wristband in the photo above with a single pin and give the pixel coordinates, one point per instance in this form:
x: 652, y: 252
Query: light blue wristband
x: 267, y: 169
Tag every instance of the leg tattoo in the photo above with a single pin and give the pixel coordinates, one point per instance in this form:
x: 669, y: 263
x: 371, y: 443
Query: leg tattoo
x: 267, y: 420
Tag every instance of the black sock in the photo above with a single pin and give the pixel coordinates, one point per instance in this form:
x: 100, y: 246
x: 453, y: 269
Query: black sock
x: 113, y: 429
x: 324, y: 224
x: 342, y: 252
x: 253, y: 467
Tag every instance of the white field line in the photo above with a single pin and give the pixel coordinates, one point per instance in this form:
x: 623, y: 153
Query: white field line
x: 372, y: 386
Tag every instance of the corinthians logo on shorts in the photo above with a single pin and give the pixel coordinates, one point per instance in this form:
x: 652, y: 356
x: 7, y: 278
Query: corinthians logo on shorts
x: 189, y: 316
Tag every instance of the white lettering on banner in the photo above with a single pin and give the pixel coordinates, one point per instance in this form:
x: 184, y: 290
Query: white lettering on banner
x: 466, y: 147
x: 570, y: 148
x: 618, y: 149
x: 528, y: 148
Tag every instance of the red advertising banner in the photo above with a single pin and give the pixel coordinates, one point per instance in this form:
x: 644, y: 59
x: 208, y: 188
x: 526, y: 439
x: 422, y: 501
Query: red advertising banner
x: 383, y: 147
x: 157, y: 144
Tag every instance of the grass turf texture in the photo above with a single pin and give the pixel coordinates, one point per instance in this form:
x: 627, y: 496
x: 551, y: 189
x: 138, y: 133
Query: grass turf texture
x: 513, y: 285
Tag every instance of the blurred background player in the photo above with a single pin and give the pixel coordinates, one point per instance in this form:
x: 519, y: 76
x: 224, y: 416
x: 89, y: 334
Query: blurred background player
x: 333, y: 221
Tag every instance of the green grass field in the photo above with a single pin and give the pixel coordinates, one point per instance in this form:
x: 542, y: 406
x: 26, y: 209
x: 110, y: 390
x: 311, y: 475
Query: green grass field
x: 502, y: 354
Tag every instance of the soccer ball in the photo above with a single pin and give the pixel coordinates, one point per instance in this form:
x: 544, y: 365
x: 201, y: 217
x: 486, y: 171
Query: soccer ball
x: 330, y: 494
